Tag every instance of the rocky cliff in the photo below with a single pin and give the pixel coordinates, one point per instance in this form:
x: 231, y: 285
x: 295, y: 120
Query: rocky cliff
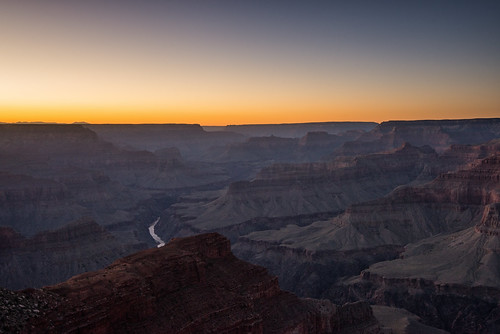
x: 313, y: 146
x: 191, y: 285
x: 451, y: 202
x: 451, y: 281
x: 191, y: 139
x: 53, y: 174
x: 287, y: 190
x: 439, y: 134
x: 322, y: 252
x: 52, y: 257
x: 26, y: 200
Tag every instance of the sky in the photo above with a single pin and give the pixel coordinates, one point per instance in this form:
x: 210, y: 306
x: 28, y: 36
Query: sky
x: 218, y: 62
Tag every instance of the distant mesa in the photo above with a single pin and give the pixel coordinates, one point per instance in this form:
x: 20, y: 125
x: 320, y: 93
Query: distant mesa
x: 297, y: 130
x: 36, y: 122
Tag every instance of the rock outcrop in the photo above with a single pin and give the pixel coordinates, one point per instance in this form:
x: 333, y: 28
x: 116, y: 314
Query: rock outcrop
x: 439, y: 134
x: 191, y: 285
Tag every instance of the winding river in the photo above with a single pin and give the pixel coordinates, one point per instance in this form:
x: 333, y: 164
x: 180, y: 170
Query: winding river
x: 154, y: 235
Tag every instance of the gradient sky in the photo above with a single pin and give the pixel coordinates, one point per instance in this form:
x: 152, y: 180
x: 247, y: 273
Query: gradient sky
x: 220, y: 62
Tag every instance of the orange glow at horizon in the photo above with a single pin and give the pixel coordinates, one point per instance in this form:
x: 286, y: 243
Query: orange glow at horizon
x: 221, y: 116
x: 170, y: 64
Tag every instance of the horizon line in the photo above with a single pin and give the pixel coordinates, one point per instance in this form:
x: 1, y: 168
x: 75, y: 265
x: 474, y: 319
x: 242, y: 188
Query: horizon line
x: 245, y: 124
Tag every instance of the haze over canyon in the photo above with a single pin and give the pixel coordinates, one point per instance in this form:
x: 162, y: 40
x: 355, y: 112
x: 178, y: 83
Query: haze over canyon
x: 334, y: 227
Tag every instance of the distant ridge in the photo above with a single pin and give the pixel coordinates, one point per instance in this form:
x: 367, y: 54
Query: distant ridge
x: 296, y: 130
x: 440, y: 121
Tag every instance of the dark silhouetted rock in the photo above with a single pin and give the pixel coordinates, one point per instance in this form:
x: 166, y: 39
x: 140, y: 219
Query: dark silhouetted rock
x: 191, y: 285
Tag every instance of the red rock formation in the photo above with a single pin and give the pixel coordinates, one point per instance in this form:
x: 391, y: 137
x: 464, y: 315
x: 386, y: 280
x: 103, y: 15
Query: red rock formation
x: 490, y: 222
x: 191, y: 285
x: 451, y: 280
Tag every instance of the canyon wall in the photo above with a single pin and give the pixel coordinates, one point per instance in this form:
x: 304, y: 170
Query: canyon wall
x: 191, y: 285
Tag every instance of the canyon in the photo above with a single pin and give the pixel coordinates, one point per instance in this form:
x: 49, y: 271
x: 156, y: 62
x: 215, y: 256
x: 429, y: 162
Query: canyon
x: 401, y: 214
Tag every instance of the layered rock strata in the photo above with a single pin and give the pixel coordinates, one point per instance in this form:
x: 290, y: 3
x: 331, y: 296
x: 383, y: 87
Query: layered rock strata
x: 291, y: 190
x: 52, y: 257
x: 464, y: 203
x: 439, y: 134
x: 191, y: 285
x: 298, y: 130
x: 452, y: 281
x: 53, y: 174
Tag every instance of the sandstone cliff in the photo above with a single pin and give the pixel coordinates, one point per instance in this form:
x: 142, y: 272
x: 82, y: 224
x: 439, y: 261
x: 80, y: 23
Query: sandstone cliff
x: 191, y: 285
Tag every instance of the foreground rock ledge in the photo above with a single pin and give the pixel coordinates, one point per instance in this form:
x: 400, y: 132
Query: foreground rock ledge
x: 192, y: 285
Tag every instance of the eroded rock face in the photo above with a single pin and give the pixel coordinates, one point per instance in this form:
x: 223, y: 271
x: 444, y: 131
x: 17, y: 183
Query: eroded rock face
x: 451, y: 280
x: 313, y: 146
x: 191, y: 285
x: 286, y: 190
x: 452, y: 223
x: 452, y: 307
x: 439, y: 134
x: 490, y: 222
x: 192, y: 141
x: 52, y: 257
